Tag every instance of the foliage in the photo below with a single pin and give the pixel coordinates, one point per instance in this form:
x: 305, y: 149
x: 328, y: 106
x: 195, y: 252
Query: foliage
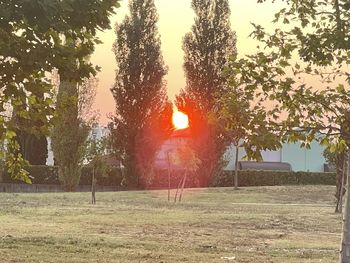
x: 139, y: 91
x: 35, y: 37
x: 148, y: 142
x: 38, y: 174
x: 68, y: 136
x: 339, y: 159
x: 87, y: 93
x: 207, y: 49
x: 299, y: 111
x: 33, y: 147
x: 334, y: 158
x: 14, y: 161
x: 160, y: 179
x: 43, y: 174
x: 112, y: 177
x: 318, y: 37
x: 317, y: 32
x: 33, y: 143
x: 185, y: 157
x: 249, y: 123
x: 264, y: 178
x: 75, y: 96
x: 95, y: 150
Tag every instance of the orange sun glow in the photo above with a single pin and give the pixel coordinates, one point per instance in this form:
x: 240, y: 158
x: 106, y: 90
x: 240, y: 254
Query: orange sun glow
x: 180, y: 120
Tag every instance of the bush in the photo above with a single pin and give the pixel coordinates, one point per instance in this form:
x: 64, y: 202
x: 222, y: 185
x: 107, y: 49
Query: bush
x: 114, y: 177
x: 270, y: 178
x: 39, y: 174
x: 43, y: 174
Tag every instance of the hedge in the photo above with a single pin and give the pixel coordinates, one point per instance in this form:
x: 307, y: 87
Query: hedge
x: 114, y: 177
x: 42, y: 174
x: 159, y: 179
x: 270, y: 178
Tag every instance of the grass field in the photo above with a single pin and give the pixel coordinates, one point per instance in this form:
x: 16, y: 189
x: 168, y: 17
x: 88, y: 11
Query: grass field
x: 256, y: 225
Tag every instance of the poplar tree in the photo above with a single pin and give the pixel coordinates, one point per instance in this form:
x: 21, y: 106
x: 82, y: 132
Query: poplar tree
x: 139, y: 90
x: 207, y: 49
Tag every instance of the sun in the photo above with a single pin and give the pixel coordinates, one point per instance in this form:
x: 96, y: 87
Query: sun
x: 180, y: 120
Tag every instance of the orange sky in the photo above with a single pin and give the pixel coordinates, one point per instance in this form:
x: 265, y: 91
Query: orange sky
x: 175, y: 19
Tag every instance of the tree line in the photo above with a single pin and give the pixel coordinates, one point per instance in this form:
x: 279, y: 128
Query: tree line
x: 218, y: 95
x: 225, y: 97
x: 143, y: 111
x: 142, y: 121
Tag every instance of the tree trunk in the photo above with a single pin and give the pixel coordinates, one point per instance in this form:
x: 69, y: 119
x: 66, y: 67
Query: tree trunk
x: 177, y: 189
x: 93, y: 187
x: 2, y: 168
x: 344, y: 179
x: 340, y: 192
x: 236, y: 168
x: 169, y: 185
x: 345, y: 241
x: 168, y: 176
x: 183, y: 186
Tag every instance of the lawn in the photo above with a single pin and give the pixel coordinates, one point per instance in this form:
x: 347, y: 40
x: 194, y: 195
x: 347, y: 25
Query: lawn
x: 256, y: 225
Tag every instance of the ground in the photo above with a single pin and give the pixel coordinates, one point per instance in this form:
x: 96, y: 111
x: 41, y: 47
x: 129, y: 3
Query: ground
x: 256, y: 225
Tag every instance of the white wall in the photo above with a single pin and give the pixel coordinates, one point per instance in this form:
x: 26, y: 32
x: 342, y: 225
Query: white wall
x: 96, y: 133
x: 300, y: 159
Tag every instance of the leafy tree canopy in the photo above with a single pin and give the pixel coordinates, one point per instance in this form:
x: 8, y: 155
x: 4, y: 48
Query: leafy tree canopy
x: 36, y: 37
x: 318, y: 33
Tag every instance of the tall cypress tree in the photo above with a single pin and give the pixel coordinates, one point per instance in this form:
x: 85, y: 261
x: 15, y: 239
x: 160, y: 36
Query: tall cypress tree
x: 68, y: 136
x: 207, y: 49
x: 139, y: 90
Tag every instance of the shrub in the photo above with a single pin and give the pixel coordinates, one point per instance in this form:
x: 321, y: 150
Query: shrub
x: 270, y: 178
x: 43, y: 174
x: 159, y: 179
x: 39, y: 174
x: 114, y: 177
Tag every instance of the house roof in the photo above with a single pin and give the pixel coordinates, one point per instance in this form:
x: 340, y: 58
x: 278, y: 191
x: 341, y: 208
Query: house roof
x: 183, y: 133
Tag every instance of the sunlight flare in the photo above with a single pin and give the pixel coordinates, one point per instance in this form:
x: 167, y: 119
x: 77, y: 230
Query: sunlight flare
x: 180, y: 120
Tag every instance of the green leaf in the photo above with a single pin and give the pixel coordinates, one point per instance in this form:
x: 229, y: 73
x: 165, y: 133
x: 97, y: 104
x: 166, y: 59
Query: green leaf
x: 10, y: 134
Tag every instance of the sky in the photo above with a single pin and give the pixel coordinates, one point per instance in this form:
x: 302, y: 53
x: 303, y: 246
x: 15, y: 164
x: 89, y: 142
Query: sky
x: 175, y: 19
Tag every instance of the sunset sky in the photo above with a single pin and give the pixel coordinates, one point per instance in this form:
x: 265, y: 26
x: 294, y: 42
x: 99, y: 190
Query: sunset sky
x: 175, y: 19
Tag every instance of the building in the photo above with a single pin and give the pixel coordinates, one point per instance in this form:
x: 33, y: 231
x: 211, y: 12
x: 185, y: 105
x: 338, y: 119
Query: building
x: 299, y: 159
x: 169, y: 147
